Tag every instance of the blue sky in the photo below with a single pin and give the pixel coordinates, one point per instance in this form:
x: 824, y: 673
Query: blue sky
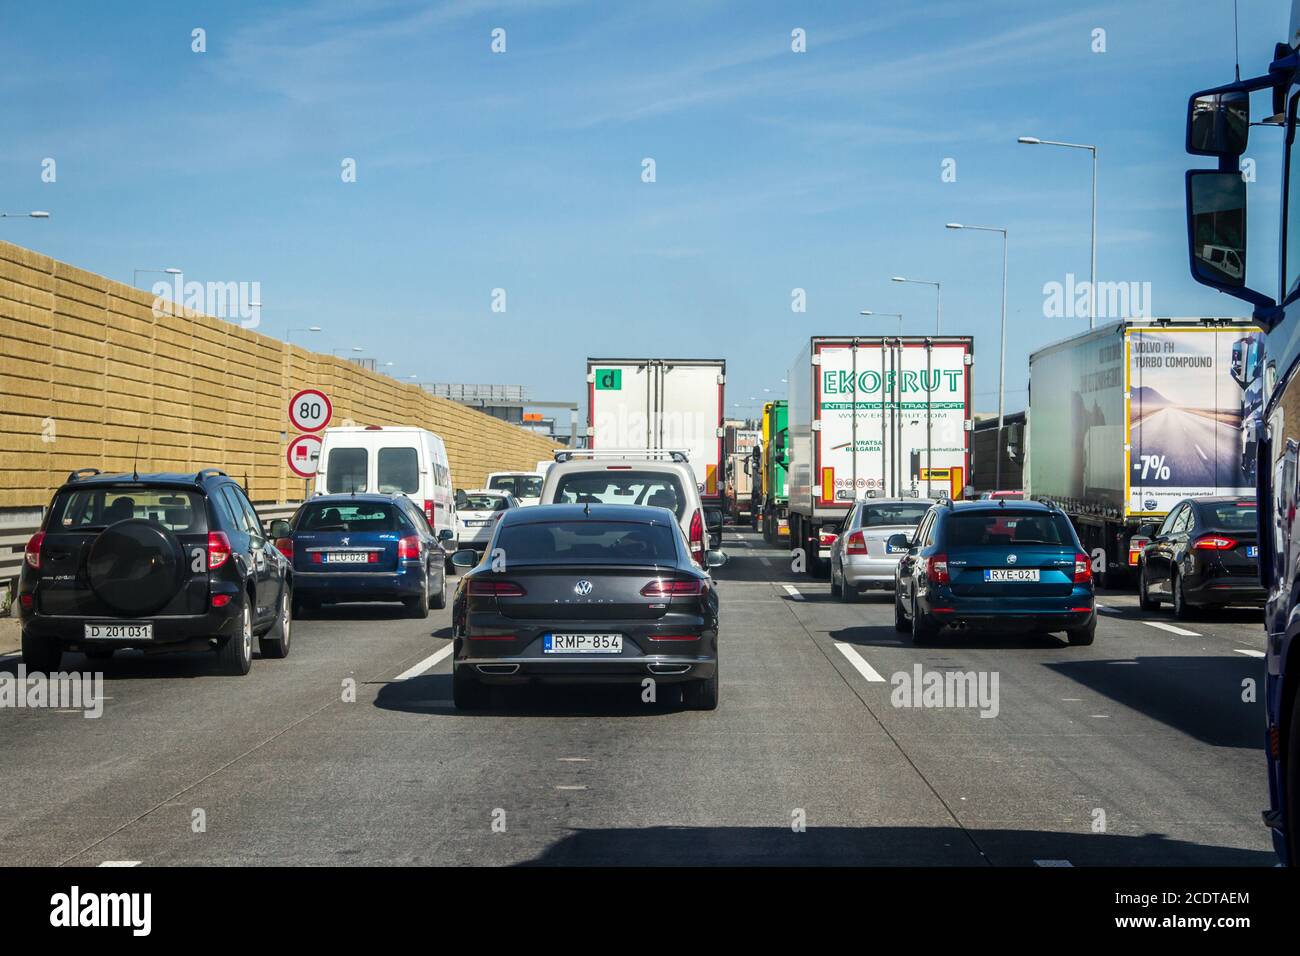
x: 775, y: 170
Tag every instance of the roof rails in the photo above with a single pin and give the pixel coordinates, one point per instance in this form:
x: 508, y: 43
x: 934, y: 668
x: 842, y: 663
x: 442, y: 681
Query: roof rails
x: 569, y: 454
x: 83, y: 473
x: 205, y: 472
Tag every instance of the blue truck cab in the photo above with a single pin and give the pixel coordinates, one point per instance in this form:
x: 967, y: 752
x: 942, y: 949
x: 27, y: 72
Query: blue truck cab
x: 1219, y: 124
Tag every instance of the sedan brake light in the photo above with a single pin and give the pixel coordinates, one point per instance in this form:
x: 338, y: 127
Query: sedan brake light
x: 1214, y: 542
x: 485, y: 588
x: 408, y: 549
x: 826, y: 538
x: 1082, y: 568
x: 218, y: 549
x: 936, y: 569
x: 856, y: 543
x: 285, y: 547
x: 696, y: 537
x: 670, y: 588
x: 32, y: 553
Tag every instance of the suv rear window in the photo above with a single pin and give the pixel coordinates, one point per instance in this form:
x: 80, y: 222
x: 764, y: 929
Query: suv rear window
x: 521, y: 486
x: 351, y: 516
x: 346, y: 471
x: 614, y: 542
x: 86, y: 509
x: 399, y: 471
x: 658, y: 489
x: 1007, y: 528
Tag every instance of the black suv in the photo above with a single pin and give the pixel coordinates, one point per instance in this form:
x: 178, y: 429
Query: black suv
x: 160, y: 562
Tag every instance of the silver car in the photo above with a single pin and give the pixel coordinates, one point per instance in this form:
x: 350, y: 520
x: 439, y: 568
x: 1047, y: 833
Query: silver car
x: 860, y: 558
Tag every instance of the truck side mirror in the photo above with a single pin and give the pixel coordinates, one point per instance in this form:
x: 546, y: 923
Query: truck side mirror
x: 1216, y: 233
x: 1218, y: 123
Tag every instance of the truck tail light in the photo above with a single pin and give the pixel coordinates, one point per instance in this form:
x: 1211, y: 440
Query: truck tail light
x: 218, y: 549
x: 696, y: 537
x: 32, y: 553
x: 484, y: 588
x: 1082, y: 569
x: 1214, y: 542
x: 856, y: 543
x: 408, y: 549
x: 285, y: 547
x: 936, y: 569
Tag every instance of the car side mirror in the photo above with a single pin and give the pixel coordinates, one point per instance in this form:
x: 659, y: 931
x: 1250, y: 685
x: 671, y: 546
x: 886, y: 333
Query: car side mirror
x: 713, y: 519
x: 715, y: 559
x: 1146, y: 531
x: 279, y: 529
x: 446, y: 534
x: 465, y: 558
x: 898, y: 543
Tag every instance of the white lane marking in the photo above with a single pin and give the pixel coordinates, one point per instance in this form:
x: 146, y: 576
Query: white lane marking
x: 859, y: 664
x: 1121, y: 662
x: 571, y: 788
x: 1171, y: 628
x: 1248, y: 653
x: 1199, y: 452
x: 1072, y: 700
x: 766, y: 560
x: 1107, y: 609
x: 791, y: 590
x: 430, y: 661
x: 574, y: 759
x: 1053, y: 863
x: 120, y: 863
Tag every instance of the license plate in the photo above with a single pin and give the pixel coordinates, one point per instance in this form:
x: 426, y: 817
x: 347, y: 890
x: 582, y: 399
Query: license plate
x: 1252, y: 551
x: 119, y: 632
x: 893, y: 549
x: 1010, y: 574
x: 583, y: 643
x: 347, y: 557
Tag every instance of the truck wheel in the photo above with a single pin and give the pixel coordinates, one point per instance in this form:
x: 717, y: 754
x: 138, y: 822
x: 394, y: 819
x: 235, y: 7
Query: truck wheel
x: 235, y: 653
x: 41, y: 654
x: 1145, y: 601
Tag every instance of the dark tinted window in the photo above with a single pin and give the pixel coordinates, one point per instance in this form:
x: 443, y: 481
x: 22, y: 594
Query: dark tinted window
x: 1229, y: 515
x: 902, y: 513
x: 183, y: 512
x: 1007, y: 528
x: 657, y: 489
x: 521, y: 486
x: 352, y: 516
x: 346, y: 470
x: 399, y: 471
x: 614, y: 542
x: 481, y: 503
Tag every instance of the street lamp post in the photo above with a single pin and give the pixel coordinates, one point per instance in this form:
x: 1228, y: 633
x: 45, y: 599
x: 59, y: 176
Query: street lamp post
x: 1002, y: 347
x: 34, y: 214
x: 1092, y: 280
x: 938, y: 298
x: 887, y: 315
x: 135, y: 274
x: 354, y: 348
x: 288, y: 333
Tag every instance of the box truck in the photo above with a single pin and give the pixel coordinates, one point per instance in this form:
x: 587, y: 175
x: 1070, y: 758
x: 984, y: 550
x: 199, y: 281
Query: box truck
x: 772, y: 460
x: 881, y: 417
x: 671, y: 404
x: 1130, y: 418
x: 738, y: 444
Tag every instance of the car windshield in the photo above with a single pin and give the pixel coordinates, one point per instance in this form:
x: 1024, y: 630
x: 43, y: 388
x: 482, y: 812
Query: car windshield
x: 586, y: 542
x: 481, y: 503
x: 1230, y: 515
x: 901, y: 513
x: 1008, y: 528
x: 179, y: 511
x: 351, y: 516
x: 657, y: 489
x: 521, y: 486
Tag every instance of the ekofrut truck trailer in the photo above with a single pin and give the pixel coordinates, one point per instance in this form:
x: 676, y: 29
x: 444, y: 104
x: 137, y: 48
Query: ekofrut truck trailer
x: 881, y: 416
x: 771, y: 461
x: 671, y: 404
x: 1129, y: 418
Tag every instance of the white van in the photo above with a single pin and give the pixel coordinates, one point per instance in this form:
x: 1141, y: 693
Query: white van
x: 390, y: 460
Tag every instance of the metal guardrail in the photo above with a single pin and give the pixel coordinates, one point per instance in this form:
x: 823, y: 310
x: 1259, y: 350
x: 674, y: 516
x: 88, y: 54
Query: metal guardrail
x: 15, y: 537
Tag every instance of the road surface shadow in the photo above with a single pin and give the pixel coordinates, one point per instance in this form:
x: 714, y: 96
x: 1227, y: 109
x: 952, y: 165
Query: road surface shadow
x: 1198, y: 696
x: 881, y: 846
x: 431, y: 694
x: 884, y: 635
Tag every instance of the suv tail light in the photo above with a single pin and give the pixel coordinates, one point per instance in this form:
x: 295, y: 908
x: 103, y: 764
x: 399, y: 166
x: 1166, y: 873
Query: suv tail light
x: 856, y: 543
x: 408, y: 549
x: 32, y: 553
x: 670, y: 588
x: 696, y: 537
x: 218, y: 549
x: 484, y: 588
x: 936, y: 569
x: 285, y: 547
x: 1082, y: 568
x: 429, y: 510
x: 1214, y: 542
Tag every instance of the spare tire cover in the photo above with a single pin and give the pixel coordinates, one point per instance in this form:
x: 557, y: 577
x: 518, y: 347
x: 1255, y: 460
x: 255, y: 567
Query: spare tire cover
x: 135, y: 566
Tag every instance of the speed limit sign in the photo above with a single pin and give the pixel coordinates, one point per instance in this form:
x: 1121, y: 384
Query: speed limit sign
x: 310, y: 410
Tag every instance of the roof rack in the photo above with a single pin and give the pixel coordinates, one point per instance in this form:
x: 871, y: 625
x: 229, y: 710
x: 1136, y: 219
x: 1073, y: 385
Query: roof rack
x: 569, y: 454
x: 83, y: 473
x: 205, y: 472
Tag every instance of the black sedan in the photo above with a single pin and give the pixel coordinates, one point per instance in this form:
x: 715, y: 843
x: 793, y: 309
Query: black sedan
x: 1205, y: 554
x: 572, y: 594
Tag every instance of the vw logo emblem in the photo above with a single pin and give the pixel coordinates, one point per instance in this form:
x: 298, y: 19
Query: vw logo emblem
x: 583, y: 588
x: 1011, y: 559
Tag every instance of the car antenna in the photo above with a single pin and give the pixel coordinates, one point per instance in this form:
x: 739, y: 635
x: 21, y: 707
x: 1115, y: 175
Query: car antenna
x: 586, y: 508
x: 1002, y: 502
x: 135, y: 462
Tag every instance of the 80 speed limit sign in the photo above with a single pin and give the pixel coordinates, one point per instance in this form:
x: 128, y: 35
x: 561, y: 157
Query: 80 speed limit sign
x: 310, y: 410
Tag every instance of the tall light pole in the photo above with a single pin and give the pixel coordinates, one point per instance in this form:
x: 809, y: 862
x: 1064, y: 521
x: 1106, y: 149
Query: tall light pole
x: 1092, y: 279
x: 288, y: 333
x: 938, y: 298
x: 1002, y: 347
x: 887, y: 315
x: 34, y: 214
x: 135, y: 273
x: 354, y: 348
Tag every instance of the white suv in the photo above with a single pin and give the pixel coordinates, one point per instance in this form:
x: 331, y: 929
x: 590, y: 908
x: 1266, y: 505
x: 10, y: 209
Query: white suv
x: 618, y: 476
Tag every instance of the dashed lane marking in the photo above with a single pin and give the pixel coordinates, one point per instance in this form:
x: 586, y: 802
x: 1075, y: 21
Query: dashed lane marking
x: 120, y: 863
x: 1171, y: 628
x: 1053, y: 863
x: 791, y: 590
x: 431, y: 661
x: 859, y: 663
x: 1249, y: 653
